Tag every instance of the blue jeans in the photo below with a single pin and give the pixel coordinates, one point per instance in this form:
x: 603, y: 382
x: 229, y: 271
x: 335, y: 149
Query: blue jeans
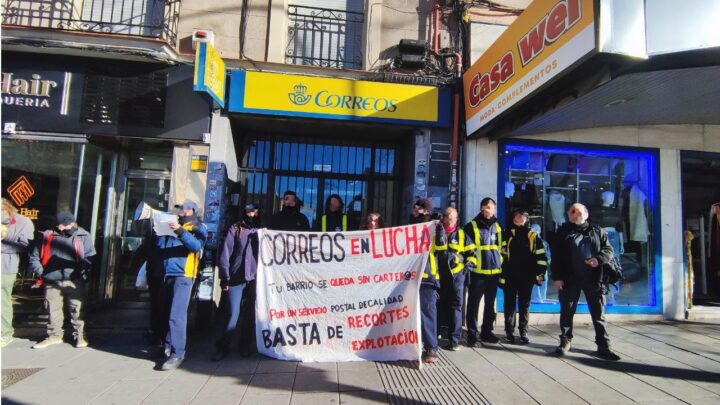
x: 479, y: 286
x: 452, y: 295
x: 176, y: 293
x: 428, y: 316
x: 234, y: 299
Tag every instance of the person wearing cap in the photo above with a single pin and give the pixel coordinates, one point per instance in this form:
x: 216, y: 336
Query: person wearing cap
x: 17, y: 234
x: 180, y: 254
x: 421, y: 211
x: 290, y: 218
x: 333, y: 220
x: 484, y: 241
x: 62, y: 257
x: 238, y: 267
x: 525, y: 266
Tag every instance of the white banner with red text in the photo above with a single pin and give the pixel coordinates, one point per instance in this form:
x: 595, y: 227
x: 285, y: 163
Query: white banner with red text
x: 341, y: 296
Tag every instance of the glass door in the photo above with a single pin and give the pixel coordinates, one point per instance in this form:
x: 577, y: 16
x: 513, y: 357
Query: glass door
x: 153, y: 188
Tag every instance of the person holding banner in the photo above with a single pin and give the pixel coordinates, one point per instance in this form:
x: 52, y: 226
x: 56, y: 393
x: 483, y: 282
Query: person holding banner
x: 429, y: 294
x: 290, y: 218
x: 525, y: 266
x: 451, y: 266
x: 333, y: 220
x: 485, y: 241
x: 238, y: 267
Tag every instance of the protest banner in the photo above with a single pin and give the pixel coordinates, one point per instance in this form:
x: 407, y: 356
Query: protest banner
x: 341, y: 296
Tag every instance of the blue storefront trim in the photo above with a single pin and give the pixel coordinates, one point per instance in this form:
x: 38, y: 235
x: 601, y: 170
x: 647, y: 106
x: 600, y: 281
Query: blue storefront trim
x: 653, y: 156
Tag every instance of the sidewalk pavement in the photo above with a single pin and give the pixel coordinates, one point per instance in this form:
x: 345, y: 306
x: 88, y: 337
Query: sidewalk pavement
x: 663, y: 363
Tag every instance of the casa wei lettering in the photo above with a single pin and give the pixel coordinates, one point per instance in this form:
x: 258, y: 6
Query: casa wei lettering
x: 33, y: 92
x: 564, y: 15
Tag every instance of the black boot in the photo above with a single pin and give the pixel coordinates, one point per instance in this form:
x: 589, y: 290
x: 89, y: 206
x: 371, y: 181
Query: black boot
x: 510, y: 337
x: 524, y: 339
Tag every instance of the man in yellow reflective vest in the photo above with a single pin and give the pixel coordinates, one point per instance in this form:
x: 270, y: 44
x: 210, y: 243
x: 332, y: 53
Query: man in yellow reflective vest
x: 484, y: 242
x: 451, y: 266
x: 333, y: 220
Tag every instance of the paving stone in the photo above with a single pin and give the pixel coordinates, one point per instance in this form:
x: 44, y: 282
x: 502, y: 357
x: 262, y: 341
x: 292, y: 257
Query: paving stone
x: 178, y: 389
x: 315, y: 398
x: 236, y: 366
x: 363, y: 397
x: 276, y: 366
x: 359, y: 380
x: 315, y: 367
x: 323, y: 381
x: 266, y: 399
x: 271, y: 383
x: 221, y: 390
x: 127, y: 392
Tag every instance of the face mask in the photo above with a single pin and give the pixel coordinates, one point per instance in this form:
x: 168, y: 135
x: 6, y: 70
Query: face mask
x: 70, y: 231
x: 184, y: 220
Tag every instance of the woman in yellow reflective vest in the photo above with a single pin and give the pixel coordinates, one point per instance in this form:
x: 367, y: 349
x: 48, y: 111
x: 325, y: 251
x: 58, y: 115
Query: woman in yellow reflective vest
x: 333, y: 220
x: 525, y: 266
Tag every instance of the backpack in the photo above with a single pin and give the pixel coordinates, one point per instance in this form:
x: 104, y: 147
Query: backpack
x: 611, y: 273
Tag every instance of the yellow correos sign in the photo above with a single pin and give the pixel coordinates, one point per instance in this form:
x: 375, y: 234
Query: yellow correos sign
x: 209, y: 73
x: 283, y: 94
x: 545, y: 40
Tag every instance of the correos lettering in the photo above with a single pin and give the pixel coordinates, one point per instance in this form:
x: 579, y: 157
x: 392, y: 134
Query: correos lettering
x: 326, y: 99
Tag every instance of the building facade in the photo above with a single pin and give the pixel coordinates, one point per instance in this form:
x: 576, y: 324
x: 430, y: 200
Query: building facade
x: 588, y: 101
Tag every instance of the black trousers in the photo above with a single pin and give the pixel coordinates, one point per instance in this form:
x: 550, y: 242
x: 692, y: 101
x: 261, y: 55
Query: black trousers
x: 517, y: 293
x: 247, y: 317
x: 158, y: 310
x: 478, y: 287
x: 569, y: 297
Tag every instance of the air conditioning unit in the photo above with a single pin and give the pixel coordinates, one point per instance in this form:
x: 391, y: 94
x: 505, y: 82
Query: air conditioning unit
x: 202, y: 35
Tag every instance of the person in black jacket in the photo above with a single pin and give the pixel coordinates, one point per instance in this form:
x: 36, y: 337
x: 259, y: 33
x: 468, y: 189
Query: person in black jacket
x: 579, y: 251
x: 290, y: 218
x: 61, y: 256
x: 333, y: 220
x: 525, y: 266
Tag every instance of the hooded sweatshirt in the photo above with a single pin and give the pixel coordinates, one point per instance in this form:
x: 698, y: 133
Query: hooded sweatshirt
x: 69, y: 254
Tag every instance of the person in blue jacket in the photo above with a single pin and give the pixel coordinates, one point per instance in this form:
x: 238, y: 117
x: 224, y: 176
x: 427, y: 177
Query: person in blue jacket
x: 180, y: 255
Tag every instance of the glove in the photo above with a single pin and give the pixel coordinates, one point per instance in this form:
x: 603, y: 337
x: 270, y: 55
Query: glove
x: 223, y: 283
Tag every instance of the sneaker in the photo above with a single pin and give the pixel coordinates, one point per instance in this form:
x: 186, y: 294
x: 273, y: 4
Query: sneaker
x: 563, y: 348
x: 510, y: 338
x: 81, y: 342
x: 6, y: 341
x: 471, y: 343
x: 606, y: 354
x: 453, y: 347
x: 172, y: 363
x: 49, y: 341
x: 524, y: 339
x: 489, y: 337
x: 430, y: 357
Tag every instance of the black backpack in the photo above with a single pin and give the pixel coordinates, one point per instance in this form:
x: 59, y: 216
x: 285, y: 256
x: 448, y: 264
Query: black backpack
x: 611, y: 273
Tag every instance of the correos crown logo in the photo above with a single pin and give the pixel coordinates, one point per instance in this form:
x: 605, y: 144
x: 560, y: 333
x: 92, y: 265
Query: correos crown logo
x: 325, y: 99
x: 298, y: 97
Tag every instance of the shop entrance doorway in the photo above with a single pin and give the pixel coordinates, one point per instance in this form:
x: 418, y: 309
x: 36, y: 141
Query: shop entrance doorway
x: 152, y: 187
x: 701, y: 197
x: 365, y: 175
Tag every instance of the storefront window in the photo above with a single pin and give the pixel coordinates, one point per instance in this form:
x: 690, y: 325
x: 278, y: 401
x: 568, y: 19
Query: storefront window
x: 619, y: 189
x: 43, y: 177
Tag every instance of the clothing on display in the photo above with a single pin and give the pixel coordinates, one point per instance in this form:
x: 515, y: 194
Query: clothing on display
x: 638, y: 220
x: 557, y: 203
